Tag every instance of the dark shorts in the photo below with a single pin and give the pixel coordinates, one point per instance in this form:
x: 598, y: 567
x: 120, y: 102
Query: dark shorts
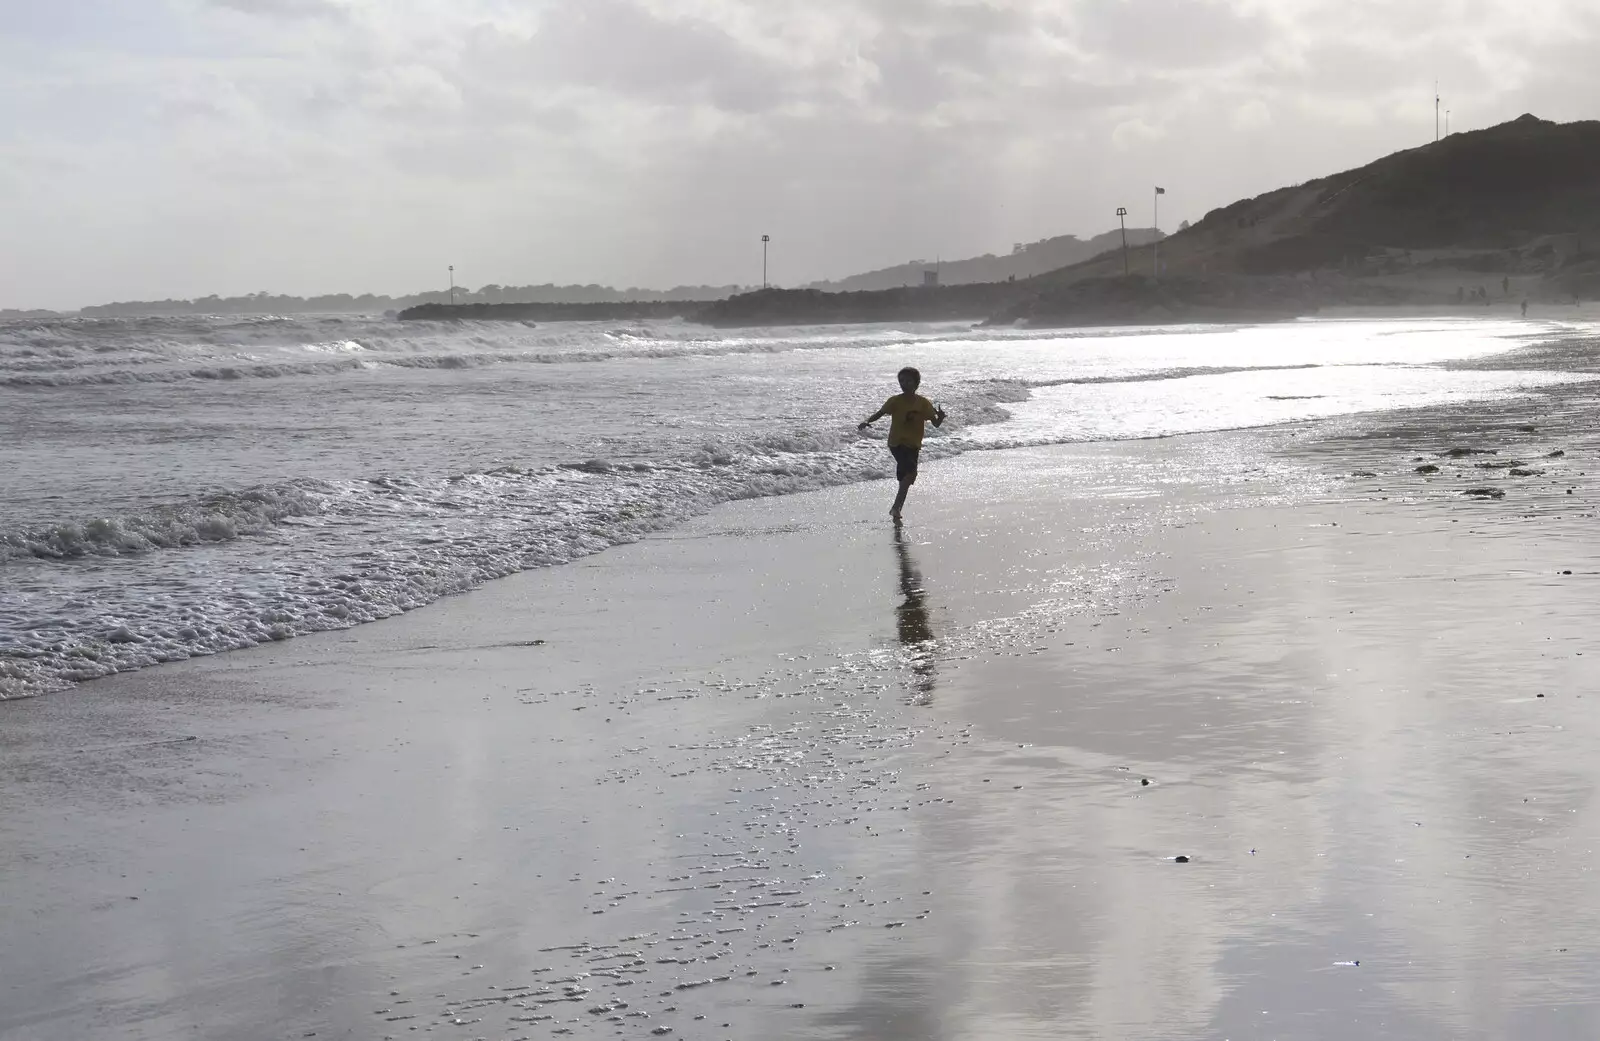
x: 905, y: 460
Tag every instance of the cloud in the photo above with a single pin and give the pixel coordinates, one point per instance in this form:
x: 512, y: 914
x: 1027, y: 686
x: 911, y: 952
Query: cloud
x: 644, y: 141
x: 1173, y: 34
x: 624, y: 48
x: 283, y: 8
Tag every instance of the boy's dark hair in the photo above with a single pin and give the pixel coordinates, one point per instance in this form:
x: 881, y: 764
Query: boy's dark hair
x: 910, y: 379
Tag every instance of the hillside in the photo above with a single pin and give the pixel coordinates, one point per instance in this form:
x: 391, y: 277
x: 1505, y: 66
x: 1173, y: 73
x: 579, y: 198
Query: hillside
x: 1024, y: 261
x: 1520, y: 200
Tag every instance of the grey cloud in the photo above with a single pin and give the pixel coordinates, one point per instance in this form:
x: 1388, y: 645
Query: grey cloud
x: 620, y: 46
x: 950, y: 50
x: 1174, y: 34
x: 283, y: 8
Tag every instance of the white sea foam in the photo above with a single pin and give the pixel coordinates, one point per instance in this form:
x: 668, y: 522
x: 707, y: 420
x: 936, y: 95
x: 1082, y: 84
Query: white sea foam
x: 396, y: 464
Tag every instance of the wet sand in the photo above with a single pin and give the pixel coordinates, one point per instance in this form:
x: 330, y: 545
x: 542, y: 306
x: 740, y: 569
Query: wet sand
x: 780, y: 774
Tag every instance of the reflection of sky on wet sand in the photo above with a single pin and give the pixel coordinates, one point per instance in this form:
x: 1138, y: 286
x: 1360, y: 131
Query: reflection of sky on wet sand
x: 1341, y: 730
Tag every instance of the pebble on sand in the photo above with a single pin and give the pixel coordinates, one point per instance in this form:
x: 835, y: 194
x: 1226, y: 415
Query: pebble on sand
x: 1180, y: 859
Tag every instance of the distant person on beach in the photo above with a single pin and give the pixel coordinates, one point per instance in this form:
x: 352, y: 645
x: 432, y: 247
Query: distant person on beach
x: 907, y: 412
x: 1524, y: 308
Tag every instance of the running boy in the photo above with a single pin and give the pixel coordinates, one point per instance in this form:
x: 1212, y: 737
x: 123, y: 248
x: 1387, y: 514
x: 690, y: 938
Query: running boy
x: 907, y: 413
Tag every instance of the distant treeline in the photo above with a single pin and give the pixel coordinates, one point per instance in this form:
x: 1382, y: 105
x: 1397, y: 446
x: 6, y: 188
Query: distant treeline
x: 369, y: 303
x: 624, y: 310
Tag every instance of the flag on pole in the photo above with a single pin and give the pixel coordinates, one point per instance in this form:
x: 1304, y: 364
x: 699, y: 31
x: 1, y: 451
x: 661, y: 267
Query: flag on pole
x: 1161, y: 191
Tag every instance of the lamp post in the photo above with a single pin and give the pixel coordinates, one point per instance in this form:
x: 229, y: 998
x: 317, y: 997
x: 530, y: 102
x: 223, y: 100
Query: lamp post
x: 452, y: 285
x: 764, y: 240
x: 1122, y: 219
x: 1155, y: 243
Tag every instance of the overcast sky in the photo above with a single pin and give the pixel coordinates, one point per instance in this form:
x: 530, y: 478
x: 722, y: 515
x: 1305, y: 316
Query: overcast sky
x: 154, y: 148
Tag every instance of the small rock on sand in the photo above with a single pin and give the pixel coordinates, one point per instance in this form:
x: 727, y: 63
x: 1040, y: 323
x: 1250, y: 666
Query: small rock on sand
x: 1180, y: 859
x: 1429, y: 468
x: 1457, y: 453
x: 1485, y: 493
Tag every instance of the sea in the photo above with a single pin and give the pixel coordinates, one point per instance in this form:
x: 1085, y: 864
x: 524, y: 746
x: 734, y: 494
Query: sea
x: 173, y: 487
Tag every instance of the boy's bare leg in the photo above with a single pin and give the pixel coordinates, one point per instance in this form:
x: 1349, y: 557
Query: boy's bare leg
x: 900, y: 497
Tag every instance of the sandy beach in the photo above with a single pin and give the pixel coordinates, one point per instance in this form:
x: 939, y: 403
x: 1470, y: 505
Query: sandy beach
x: 777, y: 773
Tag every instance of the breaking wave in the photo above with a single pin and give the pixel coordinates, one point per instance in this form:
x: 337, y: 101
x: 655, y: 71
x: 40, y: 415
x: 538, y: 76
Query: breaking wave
x: 304, y: 556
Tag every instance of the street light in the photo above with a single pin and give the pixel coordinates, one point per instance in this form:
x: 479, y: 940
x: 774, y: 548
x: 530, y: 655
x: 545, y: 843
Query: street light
x: 1122, y: 219
x: 764, y: 240
x: 1155, y: 255
x: 452, y: 285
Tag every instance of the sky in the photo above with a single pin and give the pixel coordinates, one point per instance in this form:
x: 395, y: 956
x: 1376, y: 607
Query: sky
x: 177, y: 148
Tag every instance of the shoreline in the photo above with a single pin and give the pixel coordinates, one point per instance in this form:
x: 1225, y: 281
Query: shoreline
x: 448, y: 813
x: 15, y: 672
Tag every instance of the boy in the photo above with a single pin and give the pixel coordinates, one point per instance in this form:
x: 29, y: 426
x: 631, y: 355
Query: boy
x: 907, y: 413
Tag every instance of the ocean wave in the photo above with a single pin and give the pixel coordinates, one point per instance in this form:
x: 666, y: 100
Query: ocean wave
x: 210, y: 519
x: 113, y: 352
x: 343, y: 553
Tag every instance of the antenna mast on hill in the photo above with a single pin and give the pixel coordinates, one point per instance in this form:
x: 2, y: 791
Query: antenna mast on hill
x: 1436, y: 111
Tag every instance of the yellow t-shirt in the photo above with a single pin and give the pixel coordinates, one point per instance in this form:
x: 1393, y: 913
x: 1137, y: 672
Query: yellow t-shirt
x: 907, y: 414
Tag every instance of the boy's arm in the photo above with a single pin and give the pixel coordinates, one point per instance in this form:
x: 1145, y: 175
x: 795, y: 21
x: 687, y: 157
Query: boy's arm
x: 872, y: 419
x: 938, y: 416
